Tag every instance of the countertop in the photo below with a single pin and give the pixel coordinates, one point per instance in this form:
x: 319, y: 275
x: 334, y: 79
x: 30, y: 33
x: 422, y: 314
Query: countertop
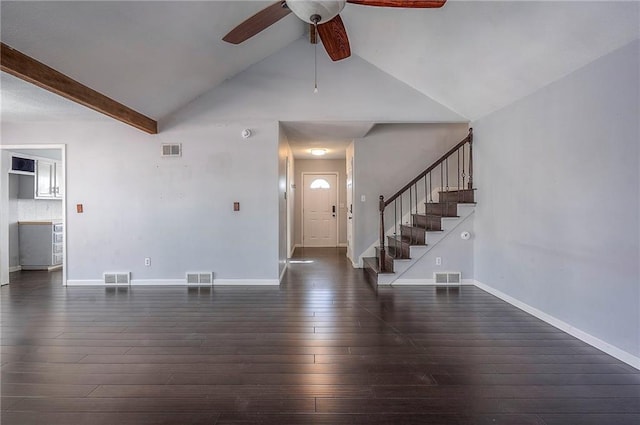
x: 48, y: 221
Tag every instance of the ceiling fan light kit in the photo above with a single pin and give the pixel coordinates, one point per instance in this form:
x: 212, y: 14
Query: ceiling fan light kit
x: 324, y: 14
x: 324, y: 10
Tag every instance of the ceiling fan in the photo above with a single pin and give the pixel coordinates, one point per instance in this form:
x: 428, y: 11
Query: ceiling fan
x: 324, y: 16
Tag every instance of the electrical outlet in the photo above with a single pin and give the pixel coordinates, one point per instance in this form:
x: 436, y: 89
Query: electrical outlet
x: 147, y: 261
x: 438, y: 261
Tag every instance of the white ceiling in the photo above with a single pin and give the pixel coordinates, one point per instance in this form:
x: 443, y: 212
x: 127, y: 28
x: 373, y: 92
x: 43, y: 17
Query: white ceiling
x: 473, y: 57
x: 22, y: 101
x: 478, y: 56
x: 333, y: 136
x: 153, y: 56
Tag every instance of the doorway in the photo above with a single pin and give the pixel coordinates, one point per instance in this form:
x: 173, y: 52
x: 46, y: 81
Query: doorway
x: 320, y: 210
x: 25, y: 200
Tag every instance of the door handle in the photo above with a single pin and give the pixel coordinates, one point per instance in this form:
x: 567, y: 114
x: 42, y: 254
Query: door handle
x: 333, y: 210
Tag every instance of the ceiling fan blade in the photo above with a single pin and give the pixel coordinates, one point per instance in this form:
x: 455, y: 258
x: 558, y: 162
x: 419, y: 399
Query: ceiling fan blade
x: 334, y: 38
x: 410, y: 4
x: 258, y: 22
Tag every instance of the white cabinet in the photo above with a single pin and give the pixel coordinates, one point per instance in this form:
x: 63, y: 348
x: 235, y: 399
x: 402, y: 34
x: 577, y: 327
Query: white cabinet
x: 48, y: 179
x: 41, y: 245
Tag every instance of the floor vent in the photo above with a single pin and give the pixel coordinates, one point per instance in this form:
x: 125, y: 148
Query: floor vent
x: 118, y: 278
x: 171, y: 150
x: 447, y: 278
x: 200, y: 278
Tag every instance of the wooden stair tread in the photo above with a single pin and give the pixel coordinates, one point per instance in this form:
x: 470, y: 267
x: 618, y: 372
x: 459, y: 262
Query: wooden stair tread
x: 405, y: 239
x: 372, y: 263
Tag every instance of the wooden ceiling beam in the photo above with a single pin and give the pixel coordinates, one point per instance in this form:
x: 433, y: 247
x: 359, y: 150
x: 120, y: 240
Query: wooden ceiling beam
x: 28, y: 69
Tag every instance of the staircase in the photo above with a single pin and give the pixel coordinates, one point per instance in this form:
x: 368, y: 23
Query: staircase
x: 442, y: 193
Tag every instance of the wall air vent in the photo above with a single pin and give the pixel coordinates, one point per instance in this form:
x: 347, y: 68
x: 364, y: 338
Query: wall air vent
x: 200, y: 278
x: 171, y: 150
x: 117, y: 278
x: 447, y: 278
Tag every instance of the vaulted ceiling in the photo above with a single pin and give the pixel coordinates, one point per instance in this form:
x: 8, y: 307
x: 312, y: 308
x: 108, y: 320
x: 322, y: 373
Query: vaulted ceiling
x: 155, y: 57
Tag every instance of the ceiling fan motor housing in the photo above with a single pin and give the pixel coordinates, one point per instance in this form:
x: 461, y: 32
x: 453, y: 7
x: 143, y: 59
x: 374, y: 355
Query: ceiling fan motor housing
x: 307, y: 10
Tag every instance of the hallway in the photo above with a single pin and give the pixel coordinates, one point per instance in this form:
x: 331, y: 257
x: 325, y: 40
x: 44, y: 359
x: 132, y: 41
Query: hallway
x: 323, y: 348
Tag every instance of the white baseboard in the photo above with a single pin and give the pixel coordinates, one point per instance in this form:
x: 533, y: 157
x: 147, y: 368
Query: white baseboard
x: 247, y: 282
x: 85, y: 282
x: 613, y: 351
x: 342, y: 245
x: 159, y: 282
x: 284, y: 270
x: 15, y: 269
x: 175, y: 282
x: 431, y: 282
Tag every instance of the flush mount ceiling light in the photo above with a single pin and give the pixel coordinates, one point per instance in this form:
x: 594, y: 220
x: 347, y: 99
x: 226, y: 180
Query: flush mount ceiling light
x: 318, y: 152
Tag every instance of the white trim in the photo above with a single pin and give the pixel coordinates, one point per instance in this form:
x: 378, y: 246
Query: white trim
x: 284, y: 269
x: 247, y: 282
x: 175, y: 282
x: 342, y: 245
x: 161, y: 282
x: 613, y: 351
x: 319, y: 173
x: 15, y: 269
x: 429, y: 282
x: 87, y: 282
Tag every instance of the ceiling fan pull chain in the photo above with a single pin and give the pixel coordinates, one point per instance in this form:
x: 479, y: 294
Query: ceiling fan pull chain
x: 315, y: 19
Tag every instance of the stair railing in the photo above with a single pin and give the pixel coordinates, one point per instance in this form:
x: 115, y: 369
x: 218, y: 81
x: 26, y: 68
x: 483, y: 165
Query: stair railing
x: 407, y: 197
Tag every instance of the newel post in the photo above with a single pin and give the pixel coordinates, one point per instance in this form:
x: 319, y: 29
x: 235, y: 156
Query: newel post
x: 381, y: 256
x: 470, y: 186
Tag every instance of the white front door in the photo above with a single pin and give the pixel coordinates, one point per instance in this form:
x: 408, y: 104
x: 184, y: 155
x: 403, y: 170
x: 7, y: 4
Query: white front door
x: 319, y: 210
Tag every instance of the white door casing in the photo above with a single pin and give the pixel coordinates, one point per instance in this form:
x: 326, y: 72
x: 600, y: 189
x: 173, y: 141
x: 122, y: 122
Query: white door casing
x: 349, y: 206
x: 320, y: 210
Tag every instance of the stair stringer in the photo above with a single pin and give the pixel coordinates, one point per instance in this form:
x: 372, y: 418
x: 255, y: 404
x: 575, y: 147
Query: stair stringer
x: 433, y: 238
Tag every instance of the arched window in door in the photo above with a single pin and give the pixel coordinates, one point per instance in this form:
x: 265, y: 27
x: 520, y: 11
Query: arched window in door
x: 320, y: 184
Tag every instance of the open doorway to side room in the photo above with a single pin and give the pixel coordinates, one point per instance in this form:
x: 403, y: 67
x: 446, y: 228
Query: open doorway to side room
x: 33, y: 211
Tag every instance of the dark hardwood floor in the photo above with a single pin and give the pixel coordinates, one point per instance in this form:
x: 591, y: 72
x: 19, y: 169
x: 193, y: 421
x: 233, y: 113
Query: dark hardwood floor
x: 323, y: 348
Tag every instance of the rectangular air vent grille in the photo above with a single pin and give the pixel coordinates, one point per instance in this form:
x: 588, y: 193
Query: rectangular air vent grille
x: 200, y: 278
x: 119, y: 278
x: 447, y: 278
x: 174, y: 149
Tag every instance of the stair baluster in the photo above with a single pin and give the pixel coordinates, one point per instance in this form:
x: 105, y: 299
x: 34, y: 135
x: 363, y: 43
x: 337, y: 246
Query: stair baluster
x: 414, y: 231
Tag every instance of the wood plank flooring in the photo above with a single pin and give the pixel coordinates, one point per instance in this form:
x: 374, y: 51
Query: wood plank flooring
x: 323, y: 348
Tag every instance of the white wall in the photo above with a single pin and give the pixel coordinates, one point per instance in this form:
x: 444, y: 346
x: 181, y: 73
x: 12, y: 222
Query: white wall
x: 280, y: 87
x: 321, y: 165
x: 388, y: 158
x: 284, y: 203
x: 179, y: 211
x: 456, y: 255
x: 5, y: 211
x: 558, y: 213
